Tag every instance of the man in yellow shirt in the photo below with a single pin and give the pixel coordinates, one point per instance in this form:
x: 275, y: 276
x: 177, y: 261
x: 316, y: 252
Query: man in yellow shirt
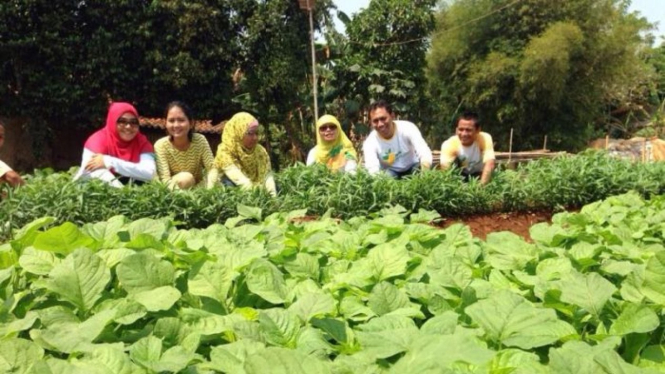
x: 7, y: 175
x: 470, y: 149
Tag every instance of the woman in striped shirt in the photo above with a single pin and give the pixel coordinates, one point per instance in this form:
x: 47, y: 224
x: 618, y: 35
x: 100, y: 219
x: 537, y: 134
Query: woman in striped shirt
x: 183, y: 156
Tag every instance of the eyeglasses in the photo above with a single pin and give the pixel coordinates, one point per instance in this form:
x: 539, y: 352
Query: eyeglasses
x: 252, y: 133
x: 325, y: 128
x: 133, y: 122
x: 379, y: 119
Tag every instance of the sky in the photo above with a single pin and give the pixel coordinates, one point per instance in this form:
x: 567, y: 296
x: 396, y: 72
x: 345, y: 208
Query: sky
x: 653, y: 10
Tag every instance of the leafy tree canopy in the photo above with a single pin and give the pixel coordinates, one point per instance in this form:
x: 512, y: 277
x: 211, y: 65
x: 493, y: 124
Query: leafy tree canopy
x: 542, y: 67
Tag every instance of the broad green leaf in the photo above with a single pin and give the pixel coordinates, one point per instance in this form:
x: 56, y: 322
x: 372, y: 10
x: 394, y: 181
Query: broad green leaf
x: 249, y: 212
x: 144, y: 241
x: 237, y: 257
x: 654, y: 279
x: 161, y: 298
x: 549, y: 235
x: 279, y: 327
x: 112, y: 257
x: 173, y: 360
x: 588, y: 291
x: 266, y: 281
x: 437, y: 353
x: 230, y: 358
x: 109, y: 360
x: 18, y: 325
x: 70, y: 337
x: 387, y: 260
x: 19, y: 355
x: 62, y: 239
x: 553, y: 268
x: 354, y: 309
x: 386, y: 298
x: 106, y: 232
x: 387, y: 336
x: 80, y: 279
x: 508, y: 251
x: 312, y: 342
x: 635, y: 319
x: 577, y: 357
x: 515, y: 361
x: 38, y: 262
x: 443, y: 324
x: 313, y: 304
x: 144, y: 272
x: 336, y: 329
x: 26, y: 235
x: 155, y: 227
x: 449, y: 272
x: 146, y: 351
x: 513, y: 321
x: 275, y: 360
x: 212, y: 279
x: 303, y: 266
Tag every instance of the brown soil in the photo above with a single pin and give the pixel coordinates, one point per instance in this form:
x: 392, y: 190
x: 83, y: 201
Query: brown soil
x: 516, y: 222
x: 481, y: 225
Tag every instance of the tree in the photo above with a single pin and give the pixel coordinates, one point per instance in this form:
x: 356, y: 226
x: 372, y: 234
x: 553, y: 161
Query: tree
x: 539, y: 66
x: 385, y: 55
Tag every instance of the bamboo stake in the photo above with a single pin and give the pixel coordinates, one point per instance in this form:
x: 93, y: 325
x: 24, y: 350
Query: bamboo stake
x: 510, y: 145
x: 607, y: 142
x: 545, y: 144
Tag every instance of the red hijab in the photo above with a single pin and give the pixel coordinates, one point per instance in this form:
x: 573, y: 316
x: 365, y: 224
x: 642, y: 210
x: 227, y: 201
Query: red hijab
x: 107, y: 141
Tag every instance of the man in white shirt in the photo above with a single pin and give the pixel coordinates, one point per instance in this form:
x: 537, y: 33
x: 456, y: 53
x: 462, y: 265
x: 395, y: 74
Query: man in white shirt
x: 394, y: 146
x: 7, y: 175
x: 469, y: 149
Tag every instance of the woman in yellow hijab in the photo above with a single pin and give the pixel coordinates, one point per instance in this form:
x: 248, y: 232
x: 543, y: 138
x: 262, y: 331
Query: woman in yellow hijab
x: 333, y: 148
x: 244, y: 162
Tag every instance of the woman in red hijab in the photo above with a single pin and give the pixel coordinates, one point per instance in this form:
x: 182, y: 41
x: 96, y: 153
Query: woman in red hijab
x: 118, y: 151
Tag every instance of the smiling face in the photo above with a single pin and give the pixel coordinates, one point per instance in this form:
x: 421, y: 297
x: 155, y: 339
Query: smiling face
x: 382, y: 122
x: 177, y: 123
x: 467, y: 131
x: 328, y: 132
x: 127, y: 126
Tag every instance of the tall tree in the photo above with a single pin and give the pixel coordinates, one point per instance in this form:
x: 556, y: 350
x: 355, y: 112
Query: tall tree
x: 542, y: 67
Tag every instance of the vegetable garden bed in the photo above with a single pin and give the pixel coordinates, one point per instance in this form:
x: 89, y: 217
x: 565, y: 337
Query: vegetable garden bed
x: 384, y: 294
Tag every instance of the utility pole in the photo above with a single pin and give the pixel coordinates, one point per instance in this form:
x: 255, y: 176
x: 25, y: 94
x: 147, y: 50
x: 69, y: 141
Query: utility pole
x: 308, y: 5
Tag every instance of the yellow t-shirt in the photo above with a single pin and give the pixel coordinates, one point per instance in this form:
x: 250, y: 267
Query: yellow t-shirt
x: 472, y: 158
x: 171, y: 161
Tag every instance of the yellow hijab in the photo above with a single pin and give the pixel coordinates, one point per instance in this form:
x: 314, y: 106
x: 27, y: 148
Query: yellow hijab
x: 254, y: 163
x: 333, y: 154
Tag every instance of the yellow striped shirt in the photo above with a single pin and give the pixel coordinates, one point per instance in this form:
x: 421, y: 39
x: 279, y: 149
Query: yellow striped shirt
x: 171, y: 161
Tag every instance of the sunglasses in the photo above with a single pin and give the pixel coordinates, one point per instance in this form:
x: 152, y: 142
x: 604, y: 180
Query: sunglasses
x: 133, y: 122
x: 327, y: 128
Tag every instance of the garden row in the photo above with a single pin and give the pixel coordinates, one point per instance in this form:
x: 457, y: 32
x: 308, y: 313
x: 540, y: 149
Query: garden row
x: 366, y: 295
x: 546, y: 184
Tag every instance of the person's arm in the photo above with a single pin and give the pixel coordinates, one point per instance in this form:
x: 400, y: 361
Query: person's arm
x: 144, y: 170
x: 370, y: 155
x: 237, y: 176
x: 7, y: 175
x: 420, y: 145
x: 448, y: 154
x: 489, y: 158
x: 163, y: 169
x: 488, y: 168
x: 209, y: 164
x: 311, y: 156
x: 350, y: 166
x: 270, y: 184
x: 101, y: 173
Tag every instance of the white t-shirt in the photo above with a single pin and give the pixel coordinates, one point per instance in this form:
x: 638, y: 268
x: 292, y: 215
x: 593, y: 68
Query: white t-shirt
x: 472, y: 158
x: 4, y: 169
x: 144, y: 170
x: 399, y: 153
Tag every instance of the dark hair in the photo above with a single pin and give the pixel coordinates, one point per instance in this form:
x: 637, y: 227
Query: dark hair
x: 469, y: 116
x: 380, y: 104
x: 188, y: 113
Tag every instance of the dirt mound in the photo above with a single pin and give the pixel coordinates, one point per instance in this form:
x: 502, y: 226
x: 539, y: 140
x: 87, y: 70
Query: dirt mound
x: 516, y: 222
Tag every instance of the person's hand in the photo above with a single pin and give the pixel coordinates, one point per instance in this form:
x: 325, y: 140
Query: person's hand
x: 96, y: 162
